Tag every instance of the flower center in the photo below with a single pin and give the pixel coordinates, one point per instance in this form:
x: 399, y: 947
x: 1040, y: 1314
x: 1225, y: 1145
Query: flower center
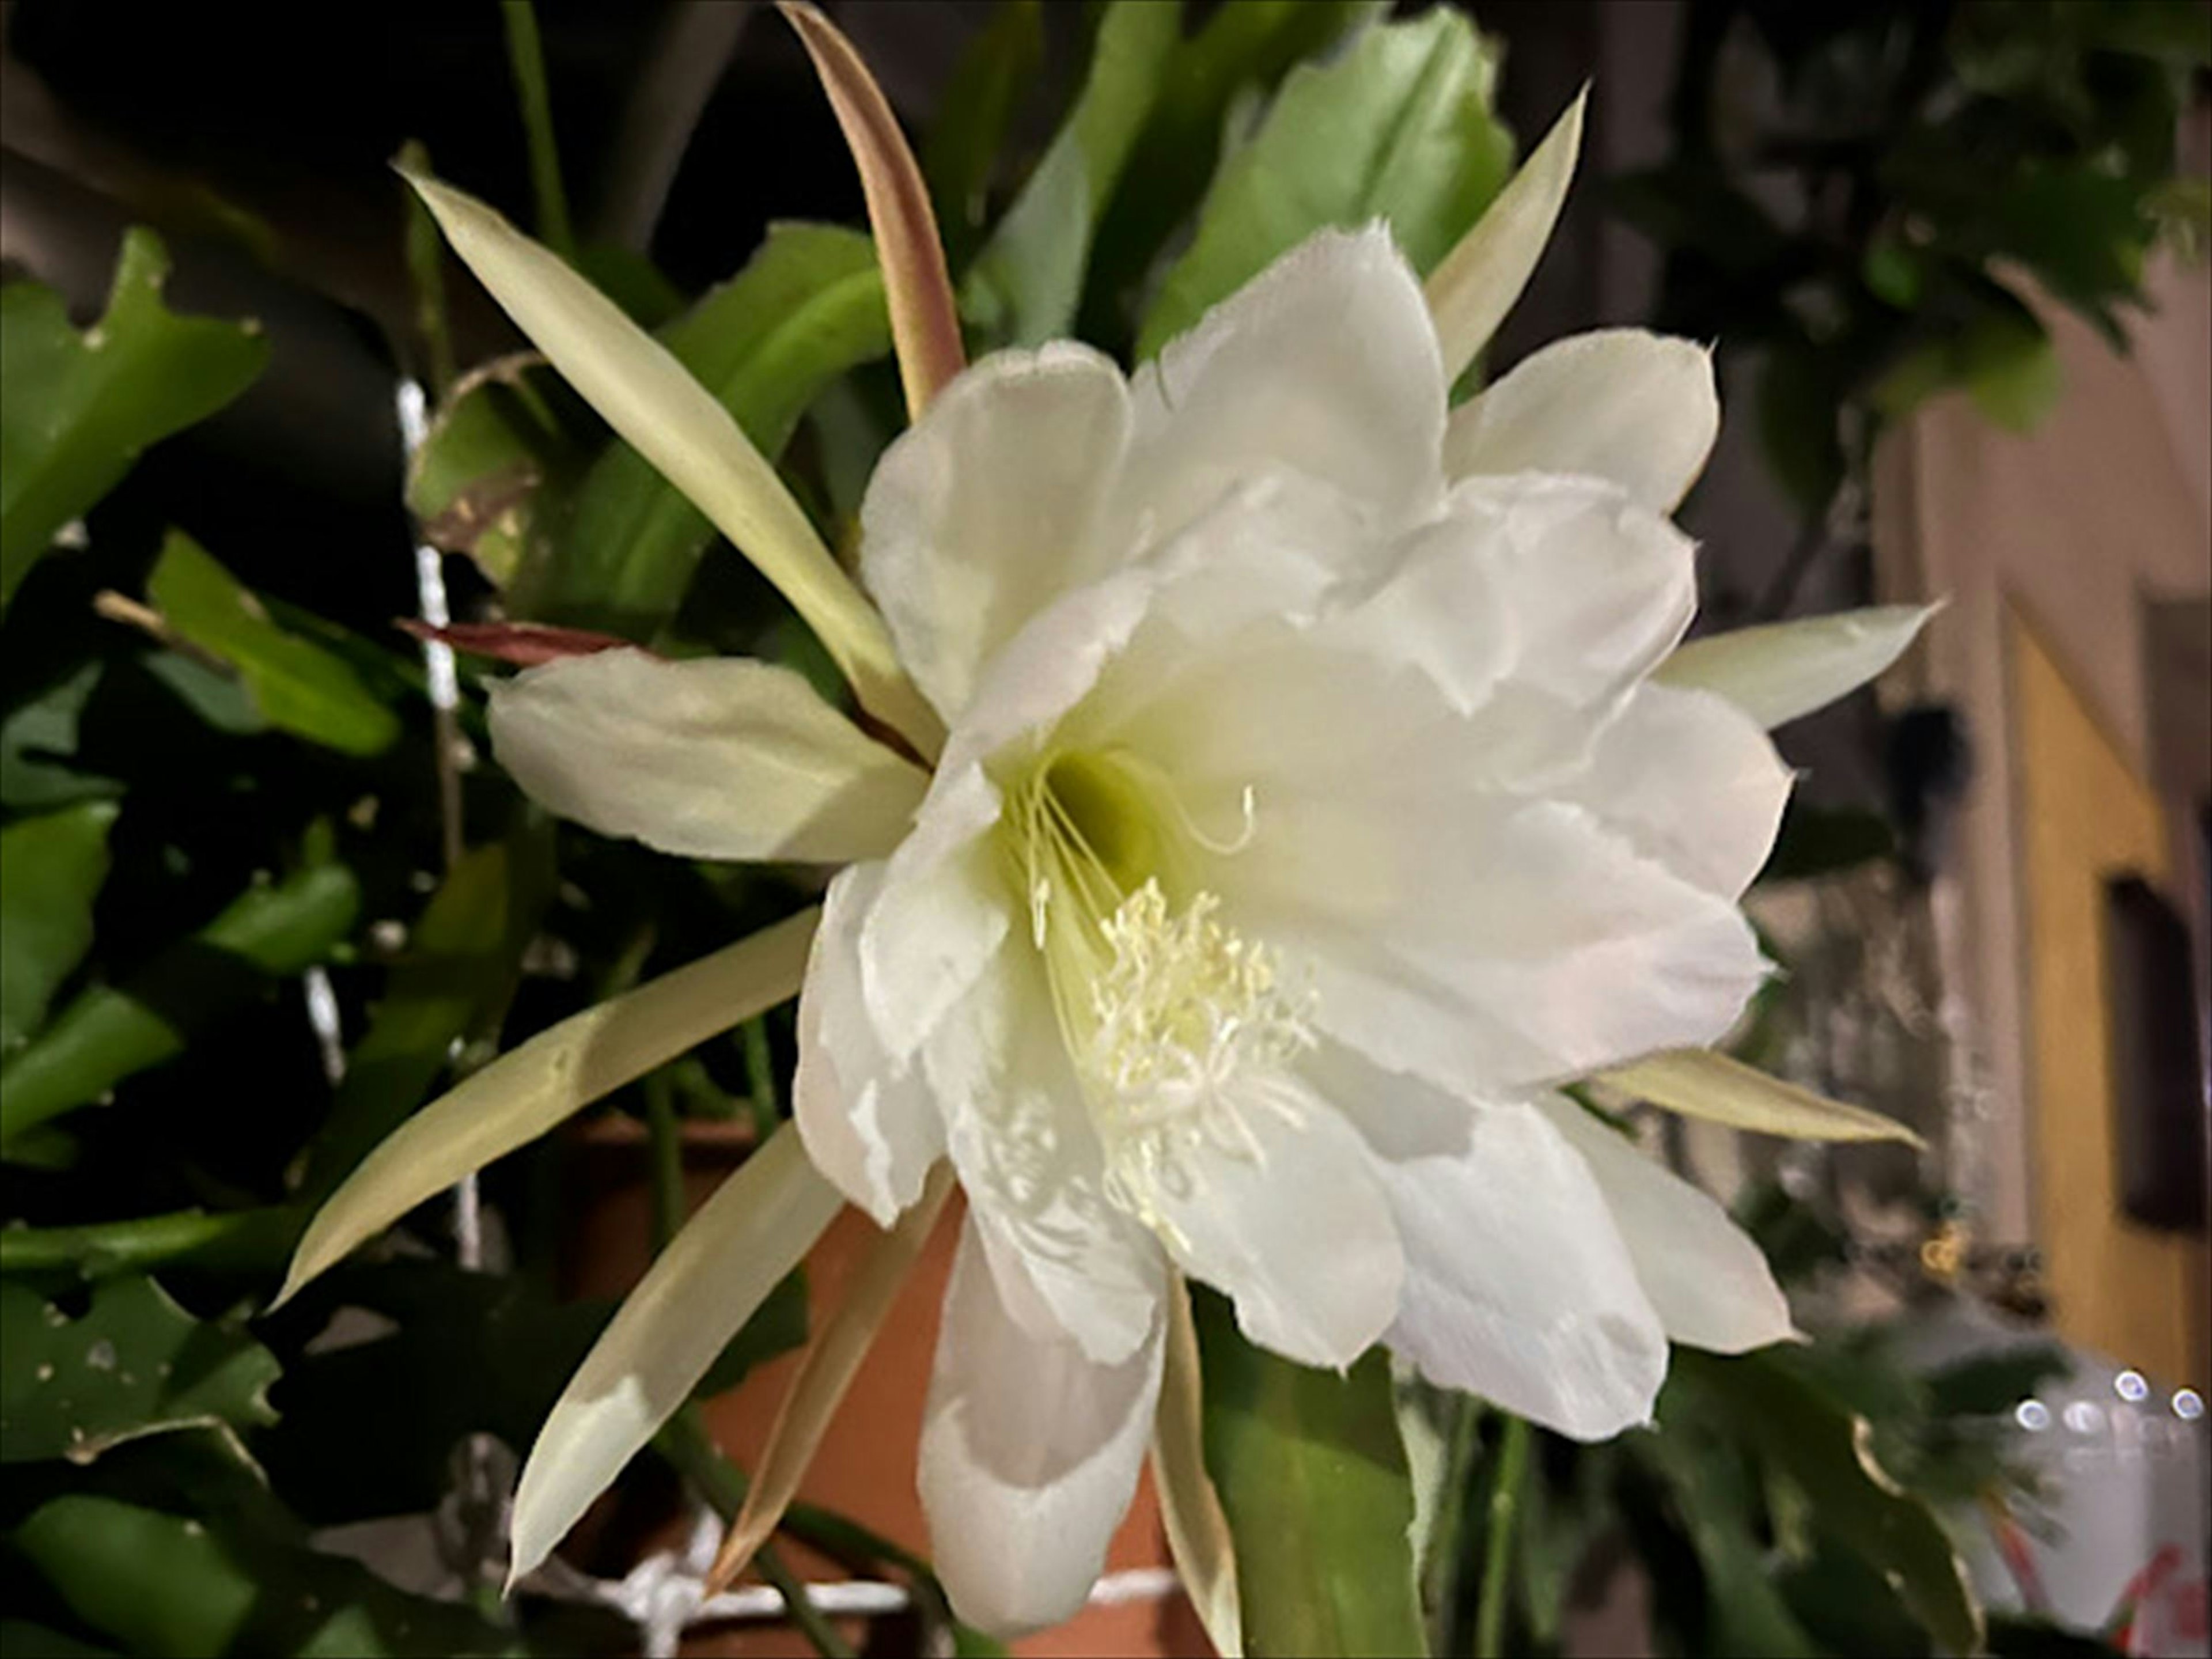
x: 1178, y: 1028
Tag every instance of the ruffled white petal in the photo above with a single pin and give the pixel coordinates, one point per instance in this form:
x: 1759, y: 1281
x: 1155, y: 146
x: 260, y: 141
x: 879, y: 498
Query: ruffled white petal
x: 1693, y: 781
x: 869, y: 1120
x: 720, y: 758
x: 990, y: 506
x: 1709, y: 1284
x: 1029, y: 1455
x: 1476, y: 283
x: 1294, y: 1228
x: 1636, y: 408
x: 1780, y: 671
x: 1518, y: 1285
x: 1067, y: 1262
x: 1324, y: 366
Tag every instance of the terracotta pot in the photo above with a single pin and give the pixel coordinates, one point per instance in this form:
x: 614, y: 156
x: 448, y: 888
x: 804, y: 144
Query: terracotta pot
x: 866, y: 1466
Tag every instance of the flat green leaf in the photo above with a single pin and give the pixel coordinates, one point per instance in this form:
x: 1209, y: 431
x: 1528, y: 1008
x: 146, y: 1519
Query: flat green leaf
x: 1243, y: 53
x: 50, y: 869
x: 21, y: 1640
x: 1826, y: 1451
x: 1746, y: 1616
x: 808, y: 306
x: 496, y: 473
x: 38, y: 745
x: 961, y: 148
x: 77, y: 410
x: 300, y: 687
x: 457, y: 972
x: 160, y: 1584
x: 1026, y: 284
x: 2011, y: 369
x: 132, y: 1364
x: 1698, y: 1083
x: 1312, y: 1475
x: 109, y: 1032
x: 1401, y: 128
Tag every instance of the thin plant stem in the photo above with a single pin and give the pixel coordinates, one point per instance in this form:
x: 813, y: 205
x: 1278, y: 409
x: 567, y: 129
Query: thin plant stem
x: 1440, y: 1571
x: 666, y: 1143
x: 1496, y: 1593
x: 526, y: 56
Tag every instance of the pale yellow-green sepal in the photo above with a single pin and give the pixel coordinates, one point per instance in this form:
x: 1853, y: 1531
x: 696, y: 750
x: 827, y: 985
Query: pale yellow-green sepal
x: 525, y: 1093
x: 712, y: 1278
x: 832, y: 1359
x: 1476, y: 284
x: 1199, y: 1539
x: 1698, y: 1083
x: 652, y: 401
x: 1781, y: 670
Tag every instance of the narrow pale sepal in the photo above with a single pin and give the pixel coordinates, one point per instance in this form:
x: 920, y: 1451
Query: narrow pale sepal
x: 1781, y: 670
x: 1470, y: 293
x: 832, y: 1359
x: 1639, y: 410
x: 1698, y: 1083
x: 668, y: 418
x: 925, y: 322
x: 712, y: 1278
x: 523, y: 1093
x: 1198, y: 1528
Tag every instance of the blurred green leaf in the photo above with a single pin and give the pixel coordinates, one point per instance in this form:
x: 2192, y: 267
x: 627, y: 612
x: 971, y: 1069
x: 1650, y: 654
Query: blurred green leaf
x: 1745, y: 1617
x: 1025, y: 285
x: 37, y: 747
x: 1825, y: 1450
x: 50, y: 869
x: 133, y: 1363
x: 1799, y: 401
x: 76, y: 410
x: 1815, y: 841
x: 974, y: 112
x: 1401, y: 128
x: 495, y: 472
x: 159, y: 1583
x: 301, y: 688
x: 1313, y: 1477
x: 2011, y: 369
x: 457, y: 970
x: 1990, y: 1384
x: 21, y: 1640
x: 808, y: 306
x: 1242, y: 52
x: 2082, y: 230
x: 109, y: 1032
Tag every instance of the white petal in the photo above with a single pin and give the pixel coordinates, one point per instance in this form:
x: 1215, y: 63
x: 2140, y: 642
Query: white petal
x: 1476, y: 284
x: 654, y: 404
x: 1693, y: 783
x: 562, y: 1070
x: 720, y: 757
x: 942, y: 910
x: 1029, y: 1455
x: 1518, y: 1286
x: 1711, y: 1285
x: 1778, y: 672
x: 709, y: 1280
x: 1323, y: 366
x: 1295, y: 1228
x: 988, y: 508
x: 1068, y: 1262
x: 1636, y: 408
x: 870, y: 1123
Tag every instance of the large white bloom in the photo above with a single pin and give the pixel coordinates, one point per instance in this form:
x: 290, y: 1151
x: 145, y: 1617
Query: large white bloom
x: 1306, y: 813
x: 1320, y: 789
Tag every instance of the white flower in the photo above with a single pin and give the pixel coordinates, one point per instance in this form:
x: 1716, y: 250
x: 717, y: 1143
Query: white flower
x: 1312, y: 805
x: 1305, y: 814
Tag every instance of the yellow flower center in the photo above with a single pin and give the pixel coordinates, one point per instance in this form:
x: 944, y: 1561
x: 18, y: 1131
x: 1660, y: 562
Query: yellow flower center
x: 1178, y: 1028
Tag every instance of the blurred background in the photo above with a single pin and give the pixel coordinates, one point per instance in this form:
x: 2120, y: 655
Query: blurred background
x: 1952, y: 258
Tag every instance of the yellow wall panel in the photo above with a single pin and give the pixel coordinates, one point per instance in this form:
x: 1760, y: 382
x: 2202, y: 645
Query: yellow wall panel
x: 2136, y: 1295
